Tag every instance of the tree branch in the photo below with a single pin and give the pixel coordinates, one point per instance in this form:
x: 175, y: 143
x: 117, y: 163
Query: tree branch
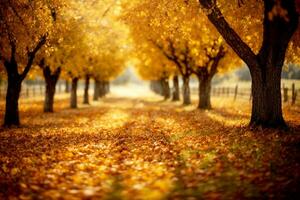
x: 57, y: 73
x: 12, y: 43
x: 31, y: 55
x: 42, y: 63
x: 2, y: 58
x: 171, y: 57
x: 214, y: 67
x: 11, y: 65
x: 176, y: 59
x: 232, y: 38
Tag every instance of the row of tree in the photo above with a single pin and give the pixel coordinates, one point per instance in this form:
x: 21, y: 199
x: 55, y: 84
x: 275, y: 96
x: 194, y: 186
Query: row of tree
x: 58, y: 39
x: 204, y: 37
x: 168, y: 39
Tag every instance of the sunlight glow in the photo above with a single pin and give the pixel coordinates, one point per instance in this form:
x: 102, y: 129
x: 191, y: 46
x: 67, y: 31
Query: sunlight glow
x: 225, y: 120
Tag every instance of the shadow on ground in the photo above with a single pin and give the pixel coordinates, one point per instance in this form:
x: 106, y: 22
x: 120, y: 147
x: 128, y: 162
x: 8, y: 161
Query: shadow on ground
x: 122, y: 148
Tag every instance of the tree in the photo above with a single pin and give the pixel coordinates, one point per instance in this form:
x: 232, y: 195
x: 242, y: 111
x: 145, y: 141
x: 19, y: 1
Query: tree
x: 24, y: 29
x: 149, y: 23
x: 103, y: 38
x: 51, y: 79
x: 52, y: 57
x: 74, y: 68
x: 205, y: 74
x: 154, y: 66
x: 175, y: 32
x: 176, y: 91
x: 280, y: 21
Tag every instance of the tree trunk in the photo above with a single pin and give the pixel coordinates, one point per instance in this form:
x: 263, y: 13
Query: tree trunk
x: 96, y: 90
x: 176, y: 96
x: 49, y: 96
x: 266, y: 76
x: 265, y: 67
x: 106, y: 87
x: 157, y: 87
x: 12, y: 101
x: 101, y: 89
x: 67, y: 87
x: 204, y: 92
x: 166, y: 88
x: 86, y: 90
x: 186, y: 91
x: 15, y: 81
x: 51, y: 81
x: 73, y: 103
x: 266, y: 98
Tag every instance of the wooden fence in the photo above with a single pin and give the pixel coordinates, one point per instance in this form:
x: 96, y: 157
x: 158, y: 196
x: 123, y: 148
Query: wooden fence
x: 289, y: 95
x: 32, y: 90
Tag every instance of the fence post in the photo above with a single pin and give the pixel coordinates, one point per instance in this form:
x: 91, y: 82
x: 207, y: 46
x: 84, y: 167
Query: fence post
x: 294, y: 94
x: 27, y: 91
x: 41, y: 89
x: 236, y: 92
x: 285, y: 94
x: 59, y: 87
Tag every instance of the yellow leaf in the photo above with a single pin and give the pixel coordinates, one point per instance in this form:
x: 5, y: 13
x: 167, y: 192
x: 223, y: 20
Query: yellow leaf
x: 14, y: 171
x: 44, y: 157
x: 4, y: 168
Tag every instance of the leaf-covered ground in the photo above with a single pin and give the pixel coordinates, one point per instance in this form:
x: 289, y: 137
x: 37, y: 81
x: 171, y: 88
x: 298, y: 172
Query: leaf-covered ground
x: 144, y: 148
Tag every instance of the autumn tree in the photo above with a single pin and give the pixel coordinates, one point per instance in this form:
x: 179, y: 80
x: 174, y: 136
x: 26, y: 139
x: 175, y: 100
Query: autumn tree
x: 52, y: 57
x: 51, y: 79
x: 203, y: 58
x: 87, y: 78
x: 174, y: 30
x: 24, y: 30
x: 154, y: 66
x: 74, y: 68
x: 149, y: 24
x: 97, y: 45
x: 108, y: 67
x: 206, y: 72
x: 279, y: 20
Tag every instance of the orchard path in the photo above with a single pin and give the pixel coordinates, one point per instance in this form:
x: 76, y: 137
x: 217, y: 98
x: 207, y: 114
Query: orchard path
x: 132, y: 145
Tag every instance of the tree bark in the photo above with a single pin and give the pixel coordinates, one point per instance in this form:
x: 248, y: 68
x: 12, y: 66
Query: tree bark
x: 266, y: 78
x: 67, y: 87
x: 51, y: 81
x: 15, y: 81
x: 73, y: 102
x: 265, y: 67
x: 96, y: 90
x: 186, y: 91
x: 266, y: 99
x: 101, y: 89
x: 204, y: 92
x: 86, y: 90
x: 156, y: 87
x: 106, y: 87
x: 12, y: 101
x: 176, y: 96
x: 166, y: 88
